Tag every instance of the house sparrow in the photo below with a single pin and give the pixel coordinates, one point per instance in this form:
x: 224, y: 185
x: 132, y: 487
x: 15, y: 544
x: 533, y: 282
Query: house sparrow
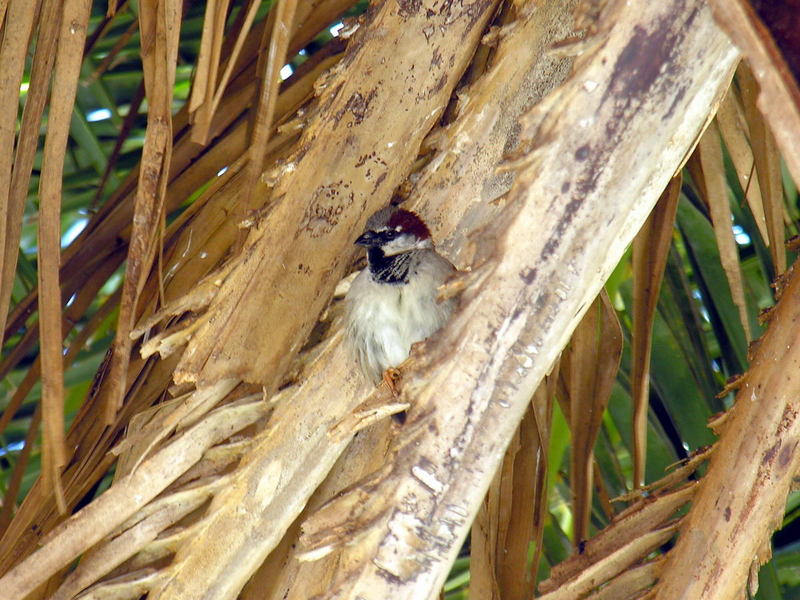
x: 393, y: 302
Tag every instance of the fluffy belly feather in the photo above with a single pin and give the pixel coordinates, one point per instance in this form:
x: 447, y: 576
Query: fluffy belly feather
x: 387, y: 320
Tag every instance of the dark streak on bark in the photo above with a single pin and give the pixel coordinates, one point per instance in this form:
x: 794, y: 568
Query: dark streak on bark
x: 678, y: 97
x: 358, y: 106
x: 528, y: 275
x: 769, y: 455
x: 408, y: 8
x: 646, y: 62
x: 438, y: 85
x: 786, y: 456
x: 436, y: 59
x: 378, y: 181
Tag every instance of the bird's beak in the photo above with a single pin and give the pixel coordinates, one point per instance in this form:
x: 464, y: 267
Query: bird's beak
x: 368, y: 238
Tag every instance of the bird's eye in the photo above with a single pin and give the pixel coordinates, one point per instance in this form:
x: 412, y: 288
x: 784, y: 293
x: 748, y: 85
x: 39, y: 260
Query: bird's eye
x: 390, y: 234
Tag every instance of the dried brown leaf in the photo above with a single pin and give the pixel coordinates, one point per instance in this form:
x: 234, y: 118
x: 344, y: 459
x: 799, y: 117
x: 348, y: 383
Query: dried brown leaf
x: 282, y: 576
x: 485, y: 550
x: 127, y: 496
x: 198, y: 241
x: 159, y: 27
x: 150, y: 427
x: 18, y: 472
x: 780, y: 98
x: 504, y: 528
x: 734, y: 131
x: 208, y: 59
x: 53, y: 451
x: 601, y: 571
x: 650, y: 251
x: 71, y: 36
x: 678, y: 476
x: 646, y: 515
x: 109, y: 229
x: 767, y: 165
x: 135, y: 538
x: 282, y: 17
x: 206, y: 91
x: 630, y: 583
x: 126, y: 587
x: 543, y: 413
x: 590, y: 369
x: 13, y: 52
x: 718, y: 200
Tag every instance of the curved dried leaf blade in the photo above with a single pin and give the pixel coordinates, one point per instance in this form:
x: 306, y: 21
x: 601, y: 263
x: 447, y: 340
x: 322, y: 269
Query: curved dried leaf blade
x: 159, y: 28
x: 590, y: 371
x: 650, y: 252
x: 780, y: 98
x: 71, y: 36
x: 768, y: 166
x: 715, y: 188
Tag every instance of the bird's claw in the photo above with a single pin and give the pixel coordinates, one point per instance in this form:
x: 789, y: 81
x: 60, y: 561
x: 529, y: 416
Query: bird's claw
x: 391, y: 378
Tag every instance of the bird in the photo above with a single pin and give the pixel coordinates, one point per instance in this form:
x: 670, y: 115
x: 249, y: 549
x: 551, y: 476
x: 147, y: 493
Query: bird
x: 393, y: 303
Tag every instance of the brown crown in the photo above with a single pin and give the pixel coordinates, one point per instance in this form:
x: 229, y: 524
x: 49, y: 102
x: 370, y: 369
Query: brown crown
x: 409, y: 222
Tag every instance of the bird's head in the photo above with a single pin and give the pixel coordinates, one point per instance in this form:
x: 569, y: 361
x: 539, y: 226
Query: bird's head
x: 395, y: 231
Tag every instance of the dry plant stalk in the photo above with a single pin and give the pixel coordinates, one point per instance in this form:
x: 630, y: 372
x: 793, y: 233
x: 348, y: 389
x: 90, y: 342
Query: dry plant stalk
x: 88, y: 526
x: 71, y: 36
x: 548, y: 263
x: 727, y: 532
x: 109, y: 229
x: 742, y: 497
x: 282, y: 18
x: 160, y: 29
x: 615, y: 564
x: 645, y: 515
x: 512, y: 514
x: 13, y: 52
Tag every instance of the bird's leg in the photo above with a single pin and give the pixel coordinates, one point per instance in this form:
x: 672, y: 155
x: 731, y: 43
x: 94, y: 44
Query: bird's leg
x: 391, y: 377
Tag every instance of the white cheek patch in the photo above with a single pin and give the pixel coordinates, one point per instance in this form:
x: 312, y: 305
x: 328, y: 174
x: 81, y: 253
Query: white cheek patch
x: 405, y: 243
x: 402, y: 243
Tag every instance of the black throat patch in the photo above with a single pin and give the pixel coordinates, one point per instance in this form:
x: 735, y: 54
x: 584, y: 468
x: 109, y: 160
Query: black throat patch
x: 388, y: 269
